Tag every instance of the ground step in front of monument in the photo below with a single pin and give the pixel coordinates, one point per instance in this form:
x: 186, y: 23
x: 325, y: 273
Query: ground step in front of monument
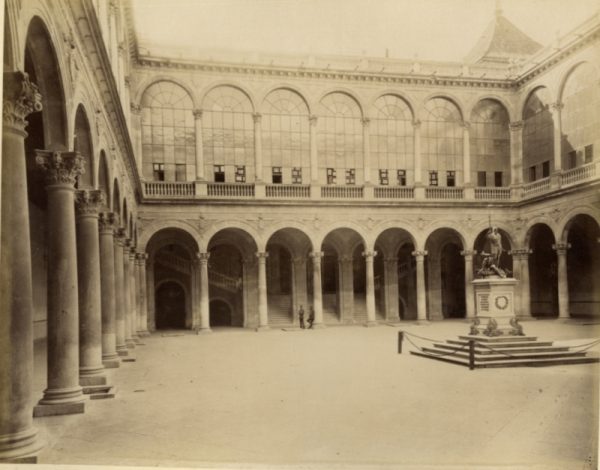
x: 479, y: 352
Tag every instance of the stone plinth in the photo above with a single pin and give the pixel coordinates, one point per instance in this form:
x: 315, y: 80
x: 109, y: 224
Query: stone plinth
x: 495, y: 307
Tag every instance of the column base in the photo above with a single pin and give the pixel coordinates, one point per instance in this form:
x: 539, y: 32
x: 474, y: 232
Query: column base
x: 91, y: 380
x: 96, y: 389
x: 123, y: 352
x: 128, y: 359
x: 263, y: 328
x: 203, y: 331
x: 111, y: 363
x: 137, y: 341
x: 371, y: 323
x: 143, y: 333
x: 40, y: 411
x: 130, y: 343
x: 318, y: 326
x: 20, y: 447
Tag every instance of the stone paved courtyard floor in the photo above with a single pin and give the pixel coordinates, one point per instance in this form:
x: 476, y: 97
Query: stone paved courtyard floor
x: 333, y: 398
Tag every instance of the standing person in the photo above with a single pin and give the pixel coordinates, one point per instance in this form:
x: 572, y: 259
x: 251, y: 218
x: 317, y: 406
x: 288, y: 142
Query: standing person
x: 311, y: 318
x: 301, y: 317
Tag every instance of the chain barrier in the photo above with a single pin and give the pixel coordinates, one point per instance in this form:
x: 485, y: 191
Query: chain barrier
x: 407, y: 335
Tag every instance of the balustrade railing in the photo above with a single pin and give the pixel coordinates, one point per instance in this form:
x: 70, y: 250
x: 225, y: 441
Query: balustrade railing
x: 342, y: 192
x: 438, y: 192
x: 502, y: 194
x: 225, y: 282
x: 394, y: 193
x: 575, y: 175
x: 536, y: 187
x: 230, y: 190
x: 169, y: 189
x: 175, y: 262
x: 292, y: 191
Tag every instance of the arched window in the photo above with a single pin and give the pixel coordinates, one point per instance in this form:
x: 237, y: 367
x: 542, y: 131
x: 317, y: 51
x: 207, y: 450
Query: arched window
x: 168, y: 133
x: 538, y: 136
x: 490, y: 144
x: 285, y: 138
x: 228, y: 135
x: 580, y: 119
x: 340, y: 141
x: 391, y: 140
x: 442, y: 143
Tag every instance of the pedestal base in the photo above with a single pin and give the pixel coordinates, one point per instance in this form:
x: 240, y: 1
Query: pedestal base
x: 58, y: 409
x: 92, y: 380
x: 263, y: 328
x: 371, y: 324
x: 20, y: 447
x: 495, y: 312
x: 318, y: 326
x: 111, y: 363
x: 122, y: 352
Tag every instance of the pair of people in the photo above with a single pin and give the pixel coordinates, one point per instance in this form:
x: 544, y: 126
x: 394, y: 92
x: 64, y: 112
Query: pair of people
x: 310, y: 320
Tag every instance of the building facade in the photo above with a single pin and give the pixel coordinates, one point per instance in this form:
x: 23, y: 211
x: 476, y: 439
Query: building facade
x: 144, y: 192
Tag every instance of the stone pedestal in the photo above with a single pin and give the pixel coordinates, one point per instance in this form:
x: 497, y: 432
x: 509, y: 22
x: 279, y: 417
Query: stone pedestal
x: 495, y: 307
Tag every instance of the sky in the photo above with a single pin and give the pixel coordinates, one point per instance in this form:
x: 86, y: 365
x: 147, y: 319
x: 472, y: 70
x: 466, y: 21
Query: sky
x: 425, y: 29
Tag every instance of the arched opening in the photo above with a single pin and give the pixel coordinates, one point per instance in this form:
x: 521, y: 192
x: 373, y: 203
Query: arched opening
x: 538, y: 136
x: 83, y: 144
x: 233, y: 274
x: 103, y: 178
x: 395, y: 275
x: 170, y: 306
x: 171, y: 251
x: 583, y: 266
x: 343, y: 277
x: 288, y: 275
x: 46, y: 130
x: 445, y: 275
x: 220, y: 313
x: 543, y: 279
x: 116, y: 202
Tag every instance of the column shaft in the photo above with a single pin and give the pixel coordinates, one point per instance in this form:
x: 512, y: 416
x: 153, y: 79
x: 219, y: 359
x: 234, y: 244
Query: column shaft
x: 110, y: 358
x: 64, y: 394
x: 91, y: 369
x: 391, y: 289
x: 556, y: 118
x: 133, y: 297
x: 127, y: 294
x: 143, y: 294
x: 314, y: 162
x: 263, y: 316
x: 469, y: 291
x: 417, y: 150
x: 370, y: 276
x: 421, y: 289
x: 204, y: 293
x: 563, y: 282
x: 366, y: 151
x: 516, y: 152
x: 17, y: 434
x: 199, y: 147
x: 150, y: 308
x: 317, y: 289
x: 466, y: 155
x: 119, y: 293
x: 258, y: 147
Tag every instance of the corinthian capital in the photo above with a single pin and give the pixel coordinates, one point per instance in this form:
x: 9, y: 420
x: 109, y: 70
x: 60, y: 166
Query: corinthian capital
x: 60, y: 167
x: 88, y: 201
x: 106, y: 221
x: 20, y: 98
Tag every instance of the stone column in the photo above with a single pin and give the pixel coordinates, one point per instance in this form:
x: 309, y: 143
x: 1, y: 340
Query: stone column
x: 258, y: 147
x: 204, y: 293
x: 299, y: 286
x: 314, y: 162
x: 469, y: 293
x: 421, y: 288
x: 417, y: 162
x: 317, y: 289
x: 91, y: 369
x: 556, y: 109
x: 199, y: 147
x: 466, y: 154
x: 64, y: 395
x: 516, y: 152
x: 17, y: 434
x: 127, y: 294
x: 263, y: 316
x: 391, y: 289
x: 119, y: 238
x: 366, y: 150
x: 110, y: 358
x: 522, y: 257
x: 150, y: 307
x: 136, y: 128
x: 371, y: 314
x: 133, y: 297
x: 563, y: 283
x: 143, y: 327
x: 345, y: 294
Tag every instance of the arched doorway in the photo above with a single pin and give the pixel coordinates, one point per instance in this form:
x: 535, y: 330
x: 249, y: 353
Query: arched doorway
x: 170, y: 306
x: 445, y: 275
x: 220, y: 313
x: 583, y: 266
x: 543, y: 270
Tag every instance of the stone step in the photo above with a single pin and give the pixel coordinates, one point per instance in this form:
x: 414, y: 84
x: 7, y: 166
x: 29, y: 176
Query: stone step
x: 91, y: 389
x: 503, y: 357
x: 484, y: 350
x: 539, y: 362
x: 498, y: 339
x: 515, y: 344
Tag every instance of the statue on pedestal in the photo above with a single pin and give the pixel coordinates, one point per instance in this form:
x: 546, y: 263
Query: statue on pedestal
x: 490, y: 265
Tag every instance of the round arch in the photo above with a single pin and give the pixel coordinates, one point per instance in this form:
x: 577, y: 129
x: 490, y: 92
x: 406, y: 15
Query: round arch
x: 531, y: 90
x: 348, y: 225
x: 84, y: 144
x: 508, y: 107
x: 287, y: 87
x: 400, y: 95
x: 232, y: 224
x: 147, y: 83
x: 567, y: 219
x: 228, y: 83
x: 565, y: 77
x: 444, y: 95
x: 292, y: 225
x: 147, y: 232
x: 345, y: 91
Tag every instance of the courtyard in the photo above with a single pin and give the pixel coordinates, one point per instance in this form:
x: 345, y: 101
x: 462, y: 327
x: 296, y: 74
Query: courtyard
x: 330, y: 398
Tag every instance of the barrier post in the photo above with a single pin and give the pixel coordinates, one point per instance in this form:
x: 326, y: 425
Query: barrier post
x: 471, y: 354
x: 400, y: 339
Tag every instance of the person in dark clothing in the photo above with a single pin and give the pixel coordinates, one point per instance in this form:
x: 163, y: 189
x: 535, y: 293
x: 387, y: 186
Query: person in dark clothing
x: 311, y: 318
x: 301, y: 317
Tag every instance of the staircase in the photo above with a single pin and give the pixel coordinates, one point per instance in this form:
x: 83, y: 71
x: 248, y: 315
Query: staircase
x: 174, y: 262
x: 330, y: 316
x: 504, y: 351
x: 280, y: 310
x: 228, y: 283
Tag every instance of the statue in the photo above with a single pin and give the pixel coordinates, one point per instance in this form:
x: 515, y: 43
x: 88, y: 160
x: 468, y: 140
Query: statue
x: 490, y: 265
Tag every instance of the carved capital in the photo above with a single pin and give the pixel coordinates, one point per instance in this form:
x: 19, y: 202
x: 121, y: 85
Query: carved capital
x: 416, y: 124
x: 20, y: 98
x: 203, y: 257
x: 106, y: 222
x: 257, y: 117
x: 127, y: 243
x: 141, y: 258
x: 557, y: 107
x: 60, y: 167
x: 561, y: 247
x: 262, y: 255
x: 390, y: 261
x: 197, y: 113
x: 419, y: 254
x: 135, y: 108
x: 119, y: 235
x: 89, y: 201
x: 345, y: 259
x: 369, y: 255
x: 132, y: 254
x: 465, y: 125
x: 312, y: 119
x: 316, y: 255
x: 516, y: 126
x: 522, y: 254
x: 365, y: 121
x: 468, y: 253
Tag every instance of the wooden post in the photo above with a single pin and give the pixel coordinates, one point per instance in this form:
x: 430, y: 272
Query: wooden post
x: 400, y: 339
x: 471, y: 354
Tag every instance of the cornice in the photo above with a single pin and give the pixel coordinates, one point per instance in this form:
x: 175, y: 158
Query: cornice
x: 326, y: 74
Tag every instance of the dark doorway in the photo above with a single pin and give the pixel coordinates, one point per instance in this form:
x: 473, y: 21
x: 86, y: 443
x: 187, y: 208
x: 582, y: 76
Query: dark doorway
x: 220, y: 313
x: 543, y: 280
x: 170, y: 306
x: 453, y: 282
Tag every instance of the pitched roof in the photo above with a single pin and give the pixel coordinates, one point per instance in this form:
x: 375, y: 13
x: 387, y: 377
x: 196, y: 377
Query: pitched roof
x: 502, y: 41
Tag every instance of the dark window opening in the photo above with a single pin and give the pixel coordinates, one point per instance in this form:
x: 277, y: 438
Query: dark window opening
x: 219, y: 171
x: 589, y: 153
x: 350, y: 176
x: 401, y: 177
x: 481, y: 179
x: 240, y: 174
x: 498, y: 179
x: 545, y: 169
x: 158, y: 171
x: 276, y: 175
x: 450, y: 178
x: 433, y: 178
x: 330, y: 175
x: 383, y: 178
x: 296, y: 175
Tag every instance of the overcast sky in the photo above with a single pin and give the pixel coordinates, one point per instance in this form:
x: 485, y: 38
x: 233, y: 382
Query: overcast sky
x: 429, y: 29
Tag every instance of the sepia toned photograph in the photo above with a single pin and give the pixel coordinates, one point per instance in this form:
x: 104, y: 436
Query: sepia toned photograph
x: 300, y: 234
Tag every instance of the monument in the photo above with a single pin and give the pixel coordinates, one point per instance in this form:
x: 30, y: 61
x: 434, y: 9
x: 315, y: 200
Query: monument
x: 494, y: 293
